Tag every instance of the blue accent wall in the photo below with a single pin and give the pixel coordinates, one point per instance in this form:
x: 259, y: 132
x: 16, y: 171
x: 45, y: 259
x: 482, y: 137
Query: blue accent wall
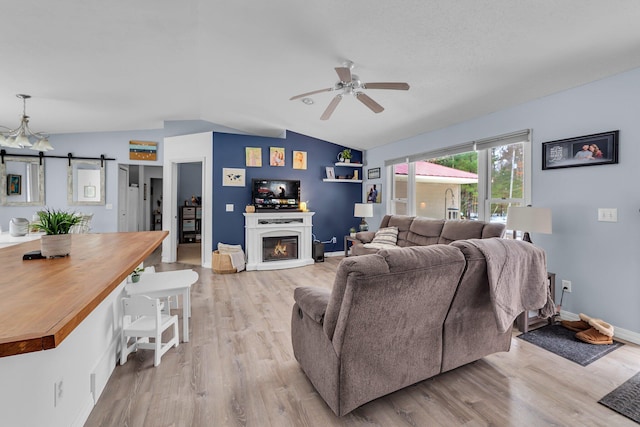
x: 332, y: 202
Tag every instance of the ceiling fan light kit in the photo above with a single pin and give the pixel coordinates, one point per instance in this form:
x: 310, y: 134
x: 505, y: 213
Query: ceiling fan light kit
x: 350, y: 84
x: 20, y: 136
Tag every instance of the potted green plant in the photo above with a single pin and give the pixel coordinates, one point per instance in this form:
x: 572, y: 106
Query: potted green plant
x: 345, y: 155
x: 56, y: 225
x: 135, y: 274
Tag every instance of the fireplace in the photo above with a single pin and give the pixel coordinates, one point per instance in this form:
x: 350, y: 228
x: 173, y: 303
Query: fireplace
x: 279, y: 248
x: 275, y: 240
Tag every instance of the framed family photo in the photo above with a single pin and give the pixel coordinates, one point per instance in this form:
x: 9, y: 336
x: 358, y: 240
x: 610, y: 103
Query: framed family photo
x: 590, y: 150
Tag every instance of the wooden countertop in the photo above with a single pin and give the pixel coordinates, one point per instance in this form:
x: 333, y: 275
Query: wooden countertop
x: 42, y: 301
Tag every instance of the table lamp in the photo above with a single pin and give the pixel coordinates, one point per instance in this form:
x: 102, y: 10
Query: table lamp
x: 363, y: 210
x: 529, y: 220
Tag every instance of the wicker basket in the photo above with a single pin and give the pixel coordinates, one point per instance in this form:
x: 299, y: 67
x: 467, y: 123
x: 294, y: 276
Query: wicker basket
x: 222, y: 263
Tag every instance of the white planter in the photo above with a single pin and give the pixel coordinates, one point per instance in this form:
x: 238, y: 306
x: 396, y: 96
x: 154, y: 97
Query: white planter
x: 54, y: 245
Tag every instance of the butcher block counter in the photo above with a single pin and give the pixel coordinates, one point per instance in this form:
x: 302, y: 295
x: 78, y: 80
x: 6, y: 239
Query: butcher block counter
x: 42, y: 301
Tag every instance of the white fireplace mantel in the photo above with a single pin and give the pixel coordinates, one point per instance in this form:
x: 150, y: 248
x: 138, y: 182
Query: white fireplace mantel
x: 275, y: 224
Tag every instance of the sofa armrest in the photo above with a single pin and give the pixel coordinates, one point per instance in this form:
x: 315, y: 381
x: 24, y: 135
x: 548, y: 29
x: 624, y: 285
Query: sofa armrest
x: 313, y: 301
x: 365, y: 236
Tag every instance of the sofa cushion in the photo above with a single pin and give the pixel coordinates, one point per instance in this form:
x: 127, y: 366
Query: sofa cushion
x: 460, y: 230
x: 387, y: 236
x: 403, y: 222
x: 424, y: 232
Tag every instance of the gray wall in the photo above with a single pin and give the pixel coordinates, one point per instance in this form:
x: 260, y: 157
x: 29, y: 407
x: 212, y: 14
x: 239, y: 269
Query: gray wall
x: 600, y: 258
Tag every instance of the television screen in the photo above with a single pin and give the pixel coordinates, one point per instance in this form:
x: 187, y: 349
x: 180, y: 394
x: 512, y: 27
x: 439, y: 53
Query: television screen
x: 276, y: 194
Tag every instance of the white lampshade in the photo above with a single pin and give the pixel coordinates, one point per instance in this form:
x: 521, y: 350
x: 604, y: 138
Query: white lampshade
x: 529, y: 219
x: 363, y: 210
x: 22, y: 141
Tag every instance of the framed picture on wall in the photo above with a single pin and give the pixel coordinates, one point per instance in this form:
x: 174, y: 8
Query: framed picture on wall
x: 276, y: 156
x: 374, y: 193
x: 373, y: 173
x: 253, y: 157
x: 590, y: 150
x: 232, y: 177
x: 300, y: 160
x: 14, y: 185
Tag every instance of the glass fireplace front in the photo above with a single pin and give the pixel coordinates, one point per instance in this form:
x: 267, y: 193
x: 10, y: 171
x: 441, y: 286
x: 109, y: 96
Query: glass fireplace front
x: 279, y: 248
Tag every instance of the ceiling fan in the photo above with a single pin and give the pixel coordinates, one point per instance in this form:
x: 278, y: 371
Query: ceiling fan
x: 350, y: 84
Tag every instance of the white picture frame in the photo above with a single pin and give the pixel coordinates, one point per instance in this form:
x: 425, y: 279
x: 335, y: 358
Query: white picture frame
x: 232, y: 177
x: 331, y: 174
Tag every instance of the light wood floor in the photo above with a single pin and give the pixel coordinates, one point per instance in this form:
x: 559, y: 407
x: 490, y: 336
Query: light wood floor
x: 239, y: 370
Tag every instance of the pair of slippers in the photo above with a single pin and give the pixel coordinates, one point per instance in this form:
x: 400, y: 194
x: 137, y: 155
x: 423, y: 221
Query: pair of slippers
x: 590, y: 330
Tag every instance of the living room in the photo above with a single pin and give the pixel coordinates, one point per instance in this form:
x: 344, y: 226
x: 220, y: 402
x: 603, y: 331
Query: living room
x: 595, y: 256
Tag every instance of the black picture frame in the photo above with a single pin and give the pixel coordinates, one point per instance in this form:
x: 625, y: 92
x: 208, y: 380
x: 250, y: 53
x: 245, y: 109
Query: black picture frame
x: 14, y: 185
x: 580, y: 151
x: 373, y: 173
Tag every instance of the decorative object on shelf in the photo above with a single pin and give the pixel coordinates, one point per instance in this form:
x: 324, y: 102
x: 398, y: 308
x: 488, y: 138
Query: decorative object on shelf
x: 232, y: 177
x: 135, y: 274
x: 529, y: 219
x: 355, y: 174
x: 373, y: 173
x: 590, y: 150
x: 14, y: 185
x: 253, y: 157
x: 374, y: 193
x: 250, y: 209
x: 331, y: 174
x: 276, y: 156
x: 352, y: 232
x: 303, y: 206
x: 56, y: 224
x: 19, y: 137
x: 18, y: 227
x: 143, y: 150
x: 363, y: 210
x: 345, y: 156
x: 300, y: 160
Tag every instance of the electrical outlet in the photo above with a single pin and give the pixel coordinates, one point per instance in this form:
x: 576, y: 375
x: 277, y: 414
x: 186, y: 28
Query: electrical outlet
x: 58, y: 392
x: 334, y: 240
x: 608, y: 214
x: 566, y: 285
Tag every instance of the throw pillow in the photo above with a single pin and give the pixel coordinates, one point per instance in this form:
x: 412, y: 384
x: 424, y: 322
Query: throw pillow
x: 386, y: 236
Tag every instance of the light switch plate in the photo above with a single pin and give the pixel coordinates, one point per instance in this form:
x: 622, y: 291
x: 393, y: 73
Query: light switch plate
x: 608, y: 214
x: 229, y: 207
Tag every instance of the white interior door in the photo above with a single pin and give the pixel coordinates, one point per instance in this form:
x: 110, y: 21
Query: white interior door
x: 123, y: 196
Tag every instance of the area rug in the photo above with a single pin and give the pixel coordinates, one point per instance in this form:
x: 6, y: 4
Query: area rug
x: 625, y: 399
x: 561, y: 341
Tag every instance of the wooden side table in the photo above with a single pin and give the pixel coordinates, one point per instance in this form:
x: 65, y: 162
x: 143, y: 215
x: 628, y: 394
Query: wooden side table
x: 348, y: 239
x: 524, y: 322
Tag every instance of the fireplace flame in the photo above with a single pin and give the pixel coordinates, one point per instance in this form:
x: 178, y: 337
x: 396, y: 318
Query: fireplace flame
x: 280, y: 249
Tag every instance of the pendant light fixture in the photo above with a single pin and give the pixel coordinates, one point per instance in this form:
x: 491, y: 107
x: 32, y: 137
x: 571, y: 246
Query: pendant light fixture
x: 20, y: 136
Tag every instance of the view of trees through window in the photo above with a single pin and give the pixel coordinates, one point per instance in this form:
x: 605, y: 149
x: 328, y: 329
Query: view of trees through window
x: 467, y: 162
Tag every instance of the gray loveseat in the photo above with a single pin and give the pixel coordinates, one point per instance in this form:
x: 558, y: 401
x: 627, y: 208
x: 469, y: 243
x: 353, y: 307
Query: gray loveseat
x: 401, y: 316
x: 420, y: 231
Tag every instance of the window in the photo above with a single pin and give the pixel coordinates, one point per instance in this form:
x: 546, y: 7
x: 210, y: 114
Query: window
x: 475, y: 180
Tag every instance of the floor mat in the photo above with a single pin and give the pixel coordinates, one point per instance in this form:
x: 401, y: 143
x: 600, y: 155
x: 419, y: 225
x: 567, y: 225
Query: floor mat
x: 625, y: 399
x: 561, y: 341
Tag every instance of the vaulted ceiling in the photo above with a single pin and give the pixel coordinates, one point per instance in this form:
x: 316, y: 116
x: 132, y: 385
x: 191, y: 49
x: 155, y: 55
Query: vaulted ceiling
x: 123, y: 65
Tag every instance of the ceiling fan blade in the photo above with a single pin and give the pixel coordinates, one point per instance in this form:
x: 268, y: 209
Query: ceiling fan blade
x: 332, y: 106
x: 302, y: 95
x: 386, y: 85
x: 344, y: 74
x: 373, y: 105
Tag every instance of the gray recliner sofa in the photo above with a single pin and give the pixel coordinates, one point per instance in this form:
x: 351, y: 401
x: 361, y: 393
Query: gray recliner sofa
x: 398, y: 317
x: 420, y: 231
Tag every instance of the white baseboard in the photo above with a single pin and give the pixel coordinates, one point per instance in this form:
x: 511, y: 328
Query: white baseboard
x: 623, y: 334
x: 85, y: 411
x: 338, y: 253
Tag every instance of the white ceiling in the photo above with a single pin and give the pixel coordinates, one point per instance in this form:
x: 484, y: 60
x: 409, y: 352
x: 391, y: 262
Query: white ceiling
x: 120, y: 65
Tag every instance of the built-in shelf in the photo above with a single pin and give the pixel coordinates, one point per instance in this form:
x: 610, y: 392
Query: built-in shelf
x: 356, y: 181
x: 350, y: 165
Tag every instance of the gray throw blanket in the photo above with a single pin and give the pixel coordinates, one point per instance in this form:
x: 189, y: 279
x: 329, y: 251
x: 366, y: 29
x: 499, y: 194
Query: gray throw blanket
x: 517, y: 273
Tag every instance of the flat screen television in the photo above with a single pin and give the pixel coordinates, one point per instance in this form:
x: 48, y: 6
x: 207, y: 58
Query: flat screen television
x: 275, y: 194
